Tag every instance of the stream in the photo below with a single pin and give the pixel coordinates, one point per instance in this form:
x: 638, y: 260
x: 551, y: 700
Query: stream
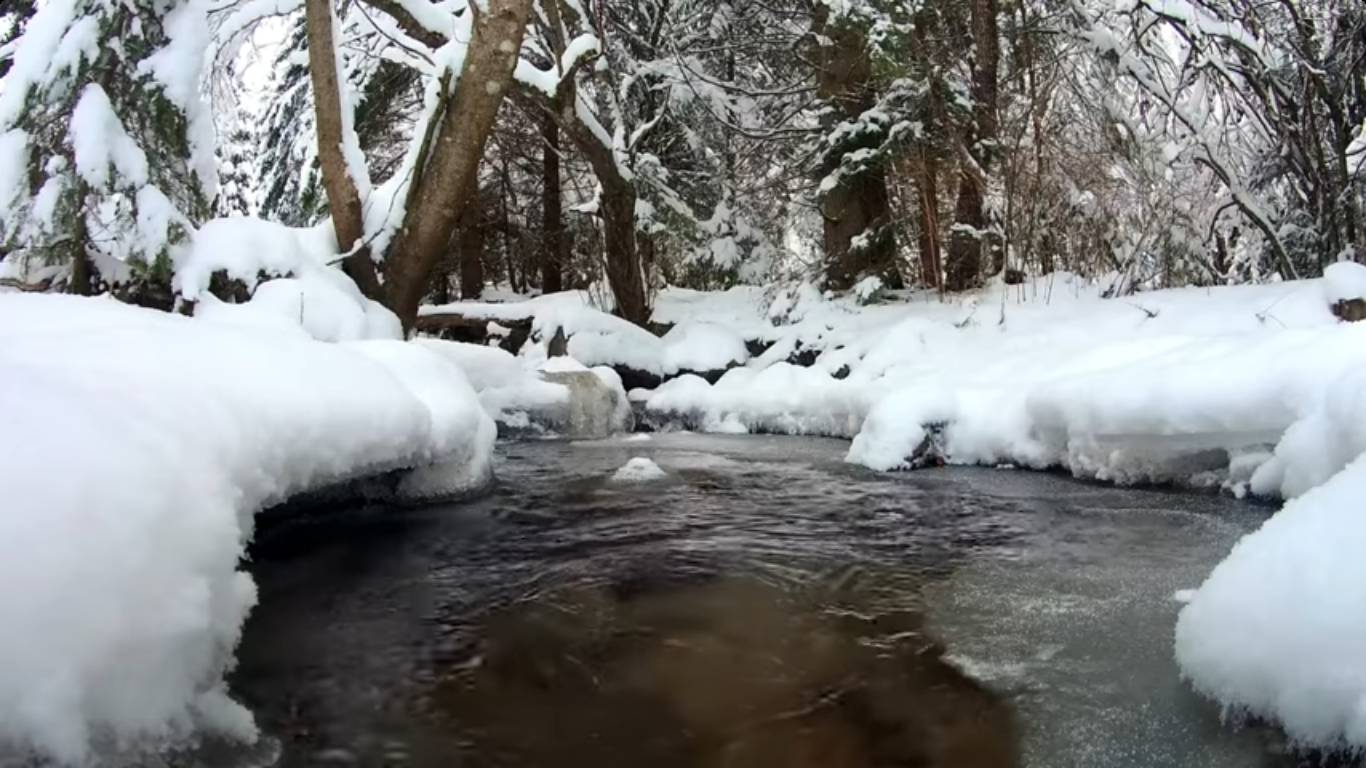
x: 764, y: 604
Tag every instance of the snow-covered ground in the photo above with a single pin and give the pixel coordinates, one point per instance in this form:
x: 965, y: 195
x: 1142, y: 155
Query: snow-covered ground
x: 1253, y: 389
x: 136, y: 447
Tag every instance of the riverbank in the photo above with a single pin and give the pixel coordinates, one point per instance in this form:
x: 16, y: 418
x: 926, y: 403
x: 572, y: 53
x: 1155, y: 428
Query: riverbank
x: 137, y: 446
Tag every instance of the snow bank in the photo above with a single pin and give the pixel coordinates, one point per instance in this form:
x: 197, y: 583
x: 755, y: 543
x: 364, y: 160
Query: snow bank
x: 1278, y: 630
x: 289, y: 273
x: 136, y: 448
x: 782, y: 398
x: 509, y: 387
x: 597, y: 338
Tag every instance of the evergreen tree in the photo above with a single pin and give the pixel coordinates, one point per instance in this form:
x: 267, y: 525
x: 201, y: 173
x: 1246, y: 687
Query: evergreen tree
x: 106, y: 149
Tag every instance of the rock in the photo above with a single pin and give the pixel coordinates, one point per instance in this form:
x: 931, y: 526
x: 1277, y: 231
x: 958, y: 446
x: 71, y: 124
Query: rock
x: 1350, y: 310
x: 638, y: 469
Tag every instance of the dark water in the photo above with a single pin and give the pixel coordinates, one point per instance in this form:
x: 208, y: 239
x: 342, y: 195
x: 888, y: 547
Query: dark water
x: 763, y: 605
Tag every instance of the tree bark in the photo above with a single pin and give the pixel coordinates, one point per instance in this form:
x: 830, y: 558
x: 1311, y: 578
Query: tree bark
x: 343, y: 198
x: 970, y: 233
x: 470, y: 246
x: 445, y: 182
x: 552, y: 212
x: 617, y: 207
x: 927, y: 191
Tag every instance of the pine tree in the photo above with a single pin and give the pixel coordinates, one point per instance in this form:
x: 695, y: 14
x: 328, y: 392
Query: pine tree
x: 106, y: 148
x: 286, y: 145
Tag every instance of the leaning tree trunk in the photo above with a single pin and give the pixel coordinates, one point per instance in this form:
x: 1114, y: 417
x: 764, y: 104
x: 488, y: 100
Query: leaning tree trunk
x: 448, y: 165
x: 552, y: 212
x: 343, y: 198
x: 970, y: 236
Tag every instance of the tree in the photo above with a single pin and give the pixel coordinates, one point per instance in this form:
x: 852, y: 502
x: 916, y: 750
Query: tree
x: 854, y: 205
x: 109, y: 148
x: 971, y: 238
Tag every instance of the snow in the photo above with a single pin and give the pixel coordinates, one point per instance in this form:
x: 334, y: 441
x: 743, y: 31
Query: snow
x: 702, y: 346
x: 309, y: 293
x: 510, y: 388
x: 178, y: 67
x: 638, y: 469
x: 597, y: 338
x: 1192, y: 385
x: 1278, y: 630
x: 137, y: 447
x: 13, y: 172
x: 1344, y: 280
x: 100, y: 142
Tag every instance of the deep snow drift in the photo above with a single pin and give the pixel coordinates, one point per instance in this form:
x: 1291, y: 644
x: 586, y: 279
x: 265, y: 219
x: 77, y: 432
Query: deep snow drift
x: 136, y: 448
x: 1254, y: 389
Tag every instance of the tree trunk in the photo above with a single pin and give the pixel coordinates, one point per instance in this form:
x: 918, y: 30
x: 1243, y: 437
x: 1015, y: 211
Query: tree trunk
x: 927, y: 191
x: 470, y: 245
x: 445, y: 182
x: 970, y: 233
x: 343, y: 199
x: 618, y: 210
x: 859, y: 206
x: 619, y: 233
x: 552, y: 212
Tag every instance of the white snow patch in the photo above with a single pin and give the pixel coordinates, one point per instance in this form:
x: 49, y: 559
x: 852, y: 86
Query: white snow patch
x: 638, y: 469
x: 137, y: 447
x: 1344, y: 280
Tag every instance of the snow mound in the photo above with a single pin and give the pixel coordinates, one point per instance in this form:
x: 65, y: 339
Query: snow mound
x: 782, y: 399
x: 596, y: 338
x: 509, y: 387
x: 300, y: 288
x: 1344, y: 280
x: 638, y: 469
x: 136, y: 449
x: 702, y: 346
x: 1278, y: 630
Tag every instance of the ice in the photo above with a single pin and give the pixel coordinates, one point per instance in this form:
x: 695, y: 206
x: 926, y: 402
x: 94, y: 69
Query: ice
x: 137, y: 447
x: 638, y: 469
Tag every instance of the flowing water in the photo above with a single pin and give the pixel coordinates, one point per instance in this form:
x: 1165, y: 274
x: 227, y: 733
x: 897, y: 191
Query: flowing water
x: 764, y: 604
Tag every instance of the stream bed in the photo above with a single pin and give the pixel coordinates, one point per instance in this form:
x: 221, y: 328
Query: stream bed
x: 763, y: 604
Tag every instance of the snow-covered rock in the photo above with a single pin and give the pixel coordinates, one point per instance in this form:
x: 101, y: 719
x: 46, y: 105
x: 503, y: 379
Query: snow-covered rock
x: 300, y: 289
x: 1344, y: 280
x: 135, y: 450
x: 702, y: 347
x: 1344, y: 286
x: 596, y: 338
x: 638, y: 469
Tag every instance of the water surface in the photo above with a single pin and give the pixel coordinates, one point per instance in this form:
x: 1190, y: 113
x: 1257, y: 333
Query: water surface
x: 763, y: 605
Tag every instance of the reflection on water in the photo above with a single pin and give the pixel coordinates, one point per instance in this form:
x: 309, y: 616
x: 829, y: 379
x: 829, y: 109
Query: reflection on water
x: 731, y: 672
x: 760, y: 606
